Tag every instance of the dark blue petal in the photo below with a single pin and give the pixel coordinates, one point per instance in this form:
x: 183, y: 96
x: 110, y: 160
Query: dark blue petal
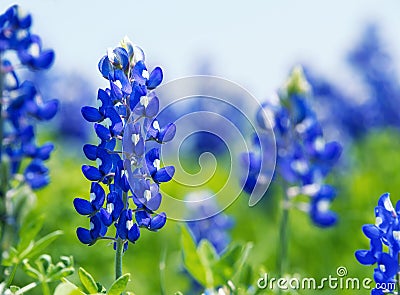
x: 152, y: 108
x: 332, y: 152
x: 158, y: 221
x: 99, y: 195
x: 36, y: 174
x: 167, y: 133
x: 365, y: 257
x: 48, y: 110
x: 151, y: 156
x: 84, y: 235
x: 154, y: 203
x: 371, y: 231
x: 44, y: 151
x: 164, y: 174
x: 102, y: 132
x: 105, y: 217
x: 121, y: 225
x: 134, y: 233
x: 116, y: 122
x: 121, y: 57
x: 138, y: 71
x: 105, y: 67
x: 90, y: 151
x: 155, y: 78
x: 91, y: 173
x: 44, y: 60
x: 83, y: 207
x: 106, y: 161
x: 143, y: 218
x: 91, y: 114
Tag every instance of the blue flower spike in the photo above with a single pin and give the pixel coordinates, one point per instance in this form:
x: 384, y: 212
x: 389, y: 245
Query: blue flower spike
x: 304, y: 156
x: 22, y: 105
x: 384, y: 234
x: 125, y: 183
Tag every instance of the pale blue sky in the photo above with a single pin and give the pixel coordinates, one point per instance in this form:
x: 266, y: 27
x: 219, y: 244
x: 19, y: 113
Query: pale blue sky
x: 253, y: 43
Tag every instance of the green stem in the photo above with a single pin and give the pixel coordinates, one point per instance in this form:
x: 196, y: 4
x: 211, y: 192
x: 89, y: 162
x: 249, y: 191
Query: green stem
x: 120, y: 245
x: 26, y: 288
x: 282, y: 260
x: 118, y: 258
x: 12, y: 275
x: 45, y: 289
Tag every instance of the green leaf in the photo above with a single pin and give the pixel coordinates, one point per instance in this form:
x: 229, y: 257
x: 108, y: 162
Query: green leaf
x: 29, y: 230
x: 40, y: 245
x: 12, y: 258
x: 67, y: 288
x: 208, y: 257
x: 30, y: 271
x: 231, y: 263
x: 119, y: 285
x: 87, y: 281
x: 191, y: 259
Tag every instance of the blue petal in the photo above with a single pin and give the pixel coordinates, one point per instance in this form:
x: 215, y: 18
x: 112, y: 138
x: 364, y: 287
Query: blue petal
x: 105, y: 67
x: 152, y: 155
x: 324, y: 219
x: 143, y: 218
x: 84, y: 235
x: 164, y: 174
x: 138, y: 72
x: 121, y: 225
x: 371, y: 231
x: 91, y: 114
x: 332, y: 152
x: 90, y: 151
x: 116, y: 122
x: 83, y: 207
x: 154, y: 203
x: 122, y: 58
x: 102, y: 132
x: 91, y: 173
x: 155, y: 78
x: 134, y: 233
x: 48, y: 110
x: 158, y: 221
x: 106, y: 161
x: 168, y: 133
x: 100, y: 195
x: 105, y: 217
x: 44, y: 151
x: 44, y: 61
x: 152, y: 108
x: 365, y: 257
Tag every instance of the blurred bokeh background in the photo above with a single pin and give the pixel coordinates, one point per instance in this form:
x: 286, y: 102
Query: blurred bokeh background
x: 351, y: 55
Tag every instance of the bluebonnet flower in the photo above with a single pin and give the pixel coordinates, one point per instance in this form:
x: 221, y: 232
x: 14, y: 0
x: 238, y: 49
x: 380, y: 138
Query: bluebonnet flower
x: 205, y: 224
x: 385, y: 232
x: 304, y: 157
x: 128, y: 152
x: 21, y: 104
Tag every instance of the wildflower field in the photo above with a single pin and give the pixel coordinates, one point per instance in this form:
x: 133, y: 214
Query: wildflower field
x: 168, y: 148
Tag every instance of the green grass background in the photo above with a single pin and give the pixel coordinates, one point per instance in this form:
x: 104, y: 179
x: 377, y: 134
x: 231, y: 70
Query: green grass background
x: 368, y: 168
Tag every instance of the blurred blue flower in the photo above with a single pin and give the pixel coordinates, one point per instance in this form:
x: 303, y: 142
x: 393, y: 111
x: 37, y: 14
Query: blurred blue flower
x: 128, y: 153
x: 205, y: 224
x: 21, y: 104
x: 352, y: 115
x: 304, y: 156
x: 385, y: 231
